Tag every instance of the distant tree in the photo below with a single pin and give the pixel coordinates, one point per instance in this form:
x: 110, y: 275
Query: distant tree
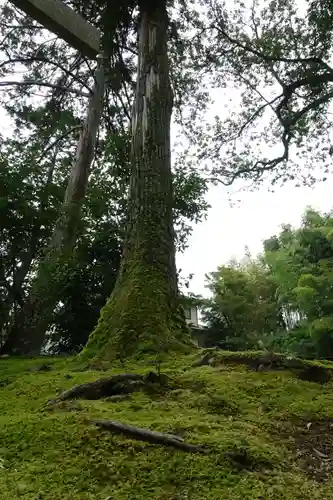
x: 243, y: 310
x: 283, y: 299
x: 302, y: 267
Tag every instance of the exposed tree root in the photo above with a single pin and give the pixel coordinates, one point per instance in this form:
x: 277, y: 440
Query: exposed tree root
x: 124, y: 383
x: 44, y: 367
x: 262, y: 361
x: 152, y: 437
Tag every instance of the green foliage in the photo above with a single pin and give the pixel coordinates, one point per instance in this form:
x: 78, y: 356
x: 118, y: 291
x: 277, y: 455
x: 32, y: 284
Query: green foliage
x: 88, y: 285
x: 276, y: 57
x: 243, y: 310
x: 282, y: 300
x: 307, y: 294
x: 29, y: 205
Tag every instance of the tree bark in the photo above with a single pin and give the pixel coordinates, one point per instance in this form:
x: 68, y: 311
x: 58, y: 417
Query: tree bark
x: 143, y: 313
x: 28, y: 331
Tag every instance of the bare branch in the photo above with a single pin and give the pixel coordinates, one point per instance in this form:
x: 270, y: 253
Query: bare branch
x: 147, y: 435
x: 27, y: 83
x: 265, y: 57
x: 48, y: 61
x: 57, y: 140
x: 256, y: 114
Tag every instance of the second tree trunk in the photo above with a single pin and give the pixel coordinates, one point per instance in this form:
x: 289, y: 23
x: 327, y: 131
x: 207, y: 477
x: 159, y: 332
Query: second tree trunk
x: 27, y: 333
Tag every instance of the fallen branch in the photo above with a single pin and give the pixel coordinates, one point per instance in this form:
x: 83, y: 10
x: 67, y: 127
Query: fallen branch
x: 152, y: 437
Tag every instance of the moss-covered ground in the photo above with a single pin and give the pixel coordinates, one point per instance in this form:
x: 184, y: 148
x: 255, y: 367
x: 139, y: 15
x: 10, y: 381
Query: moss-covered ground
x: 268, y: 434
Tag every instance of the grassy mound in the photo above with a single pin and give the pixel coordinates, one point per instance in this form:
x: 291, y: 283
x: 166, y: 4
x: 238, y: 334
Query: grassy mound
x: 268, y: 433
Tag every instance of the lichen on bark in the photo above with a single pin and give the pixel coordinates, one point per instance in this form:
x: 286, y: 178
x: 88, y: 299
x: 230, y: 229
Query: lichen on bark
x: 143, y: 313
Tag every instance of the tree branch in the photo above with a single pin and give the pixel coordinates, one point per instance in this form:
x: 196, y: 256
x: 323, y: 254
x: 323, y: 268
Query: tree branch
x: 22, y: 26
x: 248, y: 121
x: 262, y: 166
x: 48, y: 61
x: 27, y: 83
x: 312, y: 80
x: 265, y: 57
x: 147, y: 435
x: 56, y: 141
x: 312, y: 105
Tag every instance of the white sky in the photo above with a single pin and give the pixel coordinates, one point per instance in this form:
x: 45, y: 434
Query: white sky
x: 255, y: 217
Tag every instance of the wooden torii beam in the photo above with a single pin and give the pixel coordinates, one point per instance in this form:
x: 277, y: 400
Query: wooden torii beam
x: 64, y: 22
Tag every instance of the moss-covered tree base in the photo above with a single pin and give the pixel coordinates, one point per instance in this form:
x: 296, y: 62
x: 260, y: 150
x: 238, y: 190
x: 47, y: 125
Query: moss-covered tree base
x: 142, y: 316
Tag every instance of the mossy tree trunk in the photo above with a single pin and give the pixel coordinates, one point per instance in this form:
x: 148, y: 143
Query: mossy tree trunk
x: 27, y: 333
x: 143, y: 313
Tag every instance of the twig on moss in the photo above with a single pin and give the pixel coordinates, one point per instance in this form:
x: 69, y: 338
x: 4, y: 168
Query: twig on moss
x: 147, y: 435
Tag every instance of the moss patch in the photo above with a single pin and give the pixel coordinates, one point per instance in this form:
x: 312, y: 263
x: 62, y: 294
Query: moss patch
x: 254, y: 423
x: 310, y: 370
x: 143, y: 315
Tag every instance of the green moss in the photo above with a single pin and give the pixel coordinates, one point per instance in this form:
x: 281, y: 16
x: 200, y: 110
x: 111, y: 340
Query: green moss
x: 250, y: 421
x: 142, y: 316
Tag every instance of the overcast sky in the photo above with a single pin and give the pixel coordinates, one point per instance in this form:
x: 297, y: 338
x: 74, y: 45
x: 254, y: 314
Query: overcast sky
x: 255, y: 217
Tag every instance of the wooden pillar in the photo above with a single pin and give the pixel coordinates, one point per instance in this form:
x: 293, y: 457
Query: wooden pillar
x: 64, y: 22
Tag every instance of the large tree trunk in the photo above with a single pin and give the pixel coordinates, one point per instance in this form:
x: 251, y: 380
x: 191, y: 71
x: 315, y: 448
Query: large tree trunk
x: 28, y: 331
x: 143, y: 313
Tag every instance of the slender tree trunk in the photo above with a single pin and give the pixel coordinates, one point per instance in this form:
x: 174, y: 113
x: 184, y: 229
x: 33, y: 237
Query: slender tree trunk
x: 28, y: 331
x: 143, y: 313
